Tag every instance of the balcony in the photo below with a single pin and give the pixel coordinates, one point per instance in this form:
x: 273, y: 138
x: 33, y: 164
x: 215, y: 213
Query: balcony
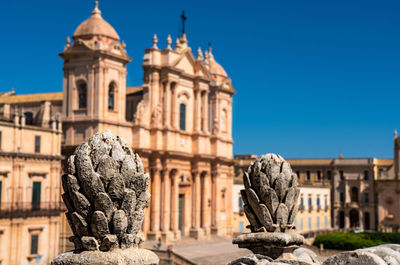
x: 29, y: 209
x: 352, y: 205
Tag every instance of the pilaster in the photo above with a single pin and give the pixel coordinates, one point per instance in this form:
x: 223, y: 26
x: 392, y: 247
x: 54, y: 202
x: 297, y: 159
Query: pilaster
x: 155, y: 173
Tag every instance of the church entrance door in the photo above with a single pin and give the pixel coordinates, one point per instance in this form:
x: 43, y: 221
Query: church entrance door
x: 181, y: 203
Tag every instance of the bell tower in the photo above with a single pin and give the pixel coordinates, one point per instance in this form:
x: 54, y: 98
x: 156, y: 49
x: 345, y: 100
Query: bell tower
x: 94, y: 83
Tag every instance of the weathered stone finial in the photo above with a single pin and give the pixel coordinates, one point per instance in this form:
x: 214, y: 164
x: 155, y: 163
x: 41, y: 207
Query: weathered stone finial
x: 67, y: 43
x: 200, y: 56
x: 105, y: 195
x: 96, y: 11
x: 270, y: 204
x: 395, y: 134
x: 270, y: 194
x: 155, y: 41
x: 169, y: 42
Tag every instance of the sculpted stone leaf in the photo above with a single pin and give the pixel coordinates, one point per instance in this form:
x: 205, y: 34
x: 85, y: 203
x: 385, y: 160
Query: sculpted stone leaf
x: 293, y: 214
x: 252, y: 198
x: 282, y: 215
x: 269, y: 197
x: 290, y: 198
x: 246, y: 180
x: 265, y: 217
x: 281, y: 185
x: 251, y: 217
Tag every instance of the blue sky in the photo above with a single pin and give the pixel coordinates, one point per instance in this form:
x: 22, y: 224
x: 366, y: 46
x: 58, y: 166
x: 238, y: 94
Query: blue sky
x: 313, y: 78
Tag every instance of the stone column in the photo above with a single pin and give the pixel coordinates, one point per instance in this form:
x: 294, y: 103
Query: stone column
x: 174, y: 119
x: 198, y: 200
x: 155, y: 203
x: 195, y: 173
x: 155, y: 79
x: 346, y: 219
x: 205, y: 112
x: 195, y: 231
x: 205, y: 197
x: 175, y: 203
x: 203, y: 107
x: 214, y: 200
x: 167, y: 105
x: 166, y: 206
x: 197, y: 122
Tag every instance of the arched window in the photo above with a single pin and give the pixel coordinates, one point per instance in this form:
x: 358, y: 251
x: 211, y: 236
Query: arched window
x: 28, y: 118
x: 111, y: 96
x: 182, y: 117
x: 82, y: 95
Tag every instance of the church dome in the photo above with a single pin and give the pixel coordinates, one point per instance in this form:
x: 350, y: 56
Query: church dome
x: 216, y: 70
x: 95, y: 26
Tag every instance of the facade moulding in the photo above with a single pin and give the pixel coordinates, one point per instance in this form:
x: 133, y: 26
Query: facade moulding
x: 29, y: 127
x: 31, y: 156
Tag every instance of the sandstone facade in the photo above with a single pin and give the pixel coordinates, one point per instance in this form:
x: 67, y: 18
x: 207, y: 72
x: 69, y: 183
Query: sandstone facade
x: 30, y: 206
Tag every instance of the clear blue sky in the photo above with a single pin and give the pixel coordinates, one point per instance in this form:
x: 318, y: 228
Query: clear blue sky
x: 313, y: 78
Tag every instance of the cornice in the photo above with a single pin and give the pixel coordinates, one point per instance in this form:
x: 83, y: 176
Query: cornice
x: 31, y: 156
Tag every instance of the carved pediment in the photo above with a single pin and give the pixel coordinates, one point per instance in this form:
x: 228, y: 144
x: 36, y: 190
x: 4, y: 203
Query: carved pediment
x: 188, y: 64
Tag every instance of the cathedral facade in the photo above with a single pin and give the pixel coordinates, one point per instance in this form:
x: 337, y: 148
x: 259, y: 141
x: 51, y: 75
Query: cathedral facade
x: 179, y: 122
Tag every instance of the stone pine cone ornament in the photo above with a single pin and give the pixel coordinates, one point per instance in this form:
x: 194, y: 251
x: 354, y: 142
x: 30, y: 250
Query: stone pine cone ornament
x: 105, y: 194
x: 270, y: 195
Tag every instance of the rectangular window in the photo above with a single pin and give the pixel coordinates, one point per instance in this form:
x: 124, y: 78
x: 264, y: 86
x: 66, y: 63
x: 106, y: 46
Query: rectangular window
x: 326, y: 222
x: 182, y: 117
x: 366, y: 197
x: 309, y: 223
x: 329, y: 175
x: 34, y: 244
x: 341, y: 196
x: 318, y: 202
x: 366, y: 175
x: 308, y: 175
x: 309, y: 202
x: 295, y: 224
x: 37, y: 144
x: 36, y: 191
x: 301, y: 224
x: 318, y: 222
x: 319, y: 175
x: 302, y: 202
x: 241, y: 227
x: 298, y: 174
x: 341, y: 174
x: 240, y: 204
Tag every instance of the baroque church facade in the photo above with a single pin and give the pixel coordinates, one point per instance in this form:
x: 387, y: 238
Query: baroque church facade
x: 179, y: 122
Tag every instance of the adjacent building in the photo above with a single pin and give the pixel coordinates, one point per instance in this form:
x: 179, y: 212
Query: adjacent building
x: 30, y: 169
x: 352, y: 184
x: 314, y: 215
x: 388, y: 188
x: 363, y: 193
